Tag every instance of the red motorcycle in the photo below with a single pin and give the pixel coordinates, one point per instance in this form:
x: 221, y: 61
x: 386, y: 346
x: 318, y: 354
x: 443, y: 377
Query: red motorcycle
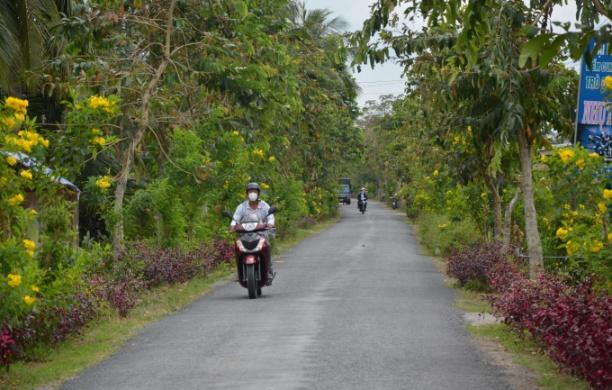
x: 252, y: 246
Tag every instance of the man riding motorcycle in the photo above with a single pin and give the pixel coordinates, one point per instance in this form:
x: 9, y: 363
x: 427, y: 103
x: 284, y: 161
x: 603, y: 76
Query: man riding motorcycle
x: 361, y: 198
x: 254, y: 205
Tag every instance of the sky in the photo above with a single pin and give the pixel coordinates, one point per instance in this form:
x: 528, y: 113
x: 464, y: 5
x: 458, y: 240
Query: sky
x: 386, y: 78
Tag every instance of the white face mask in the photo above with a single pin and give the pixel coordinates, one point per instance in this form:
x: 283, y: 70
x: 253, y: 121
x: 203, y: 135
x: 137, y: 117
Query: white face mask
x: 253, y: 196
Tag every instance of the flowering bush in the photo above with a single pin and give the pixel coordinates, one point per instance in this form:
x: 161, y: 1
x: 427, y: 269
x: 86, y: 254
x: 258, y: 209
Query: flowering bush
x: 574, y: 212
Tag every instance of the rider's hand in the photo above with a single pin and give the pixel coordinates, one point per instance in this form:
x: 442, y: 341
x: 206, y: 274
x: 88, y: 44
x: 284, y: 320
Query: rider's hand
x: 270, y: 226
x: 232, y: 228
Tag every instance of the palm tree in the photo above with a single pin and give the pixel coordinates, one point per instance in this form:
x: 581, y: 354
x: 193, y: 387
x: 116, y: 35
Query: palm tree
x: 317, y: 23
x: 25, y: 37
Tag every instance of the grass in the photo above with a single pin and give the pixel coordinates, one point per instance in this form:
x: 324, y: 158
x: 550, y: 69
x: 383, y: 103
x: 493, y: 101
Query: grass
x: 101, y: 338
x: 527, y: 354
x: 471, y: 301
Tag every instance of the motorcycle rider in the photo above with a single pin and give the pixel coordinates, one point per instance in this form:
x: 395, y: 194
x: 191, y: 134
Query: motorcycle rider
x: 361, y: 197
x: 254, y: 205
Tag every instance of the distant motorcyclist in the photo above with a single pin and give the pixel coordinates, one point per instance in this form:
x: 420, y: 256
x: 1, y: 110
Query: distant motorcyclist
x: 362, y: 198
x: 254, y: 205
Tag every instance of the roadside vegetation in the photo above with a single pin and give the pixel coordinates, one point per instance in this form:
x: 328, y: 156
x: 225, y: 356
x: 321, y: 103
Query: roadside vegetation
x: 479, y: 150
x: 146, y: 119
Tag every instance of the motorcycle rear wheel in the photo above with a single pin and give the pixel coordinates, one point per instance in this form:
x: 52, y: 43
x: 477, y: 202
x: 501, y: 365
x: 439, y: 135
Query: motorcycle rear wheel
x: 251, y: 281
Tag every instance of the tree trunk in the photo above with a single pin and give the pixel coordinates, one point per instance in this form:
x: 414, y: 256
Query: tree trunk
x: 497, y: 207
x: 534, y: 244
x: 507, y: 228
x: 128, y: 157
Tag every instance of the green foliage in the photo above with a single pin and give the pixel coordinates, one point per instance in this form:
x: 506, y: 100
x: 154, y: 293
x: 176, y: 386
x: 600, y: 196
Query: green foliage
x: 440, y: 234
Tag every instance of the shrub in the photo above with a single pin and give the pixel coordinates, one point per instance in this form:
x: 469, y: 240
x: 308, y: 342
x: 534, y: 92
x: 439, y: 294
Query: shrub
x: 8, y: 347
x: 439, y: 233
x: 573, y: 323
x: 119, y: 294
x: 173, y: 265
x: 471, y: 265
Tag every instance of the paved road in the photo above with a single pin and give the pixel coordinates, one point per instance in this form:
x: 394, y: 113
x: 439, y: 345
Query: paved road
x: 355, y: 307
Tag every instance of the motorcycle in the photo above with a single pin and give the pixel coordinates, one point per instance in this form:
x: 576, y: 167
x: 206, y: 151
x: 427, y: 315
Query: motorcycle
x: 362, y: 204
x: 394, y: 202
x: 250, y: 249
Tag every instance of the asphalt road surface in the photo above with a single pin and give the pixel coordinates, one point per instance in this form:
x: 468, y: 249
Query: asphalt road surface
x: 354, y: 307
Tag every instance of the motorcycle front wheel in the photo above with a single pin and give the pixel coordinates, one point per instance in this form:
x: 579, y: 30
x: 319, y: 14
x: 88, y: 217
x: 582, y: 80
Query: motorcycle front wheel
x: 251, y: 281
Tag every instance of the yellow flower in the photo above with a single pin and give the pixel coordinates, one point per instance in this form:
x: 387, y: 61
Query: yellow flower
x: 11, y: 160
x: 98, y: 141
x: 272, y: 159
x: 34, y: 288
x: 18, y: 105
x: 594, y: 155
x: 435, y: 173
x: 566, y: 155
x: 30, y: 253
x: 607, y: 194
x: 26, y: 174
x: 543, y: 158
x: 100, y: 102
x: 562, y: 233
x: 580, y: 164
x: 596, y: 246
x: 483, y: 195
x: 15, y: 200
x: 29, y: 300
x: 259, y: 153
x: 235, y: 133
x: 104, y: 182
x: 442, y: 226
x: 33, y: 212
x: 264, y: 186
x: 456, y: 140
x: 608, y: 82
x: 572, y: 247
x: 95, y: 131
x: 29, y: 245
x: 602, y: 207
x: 19, y: 117
x: 44, y: 142
x: 14, y: 280
x: 9, y: 122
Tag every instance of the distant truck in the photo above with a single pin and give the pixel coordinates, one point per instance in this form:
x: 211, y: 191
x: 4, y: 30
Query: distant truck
x: 346, y: 190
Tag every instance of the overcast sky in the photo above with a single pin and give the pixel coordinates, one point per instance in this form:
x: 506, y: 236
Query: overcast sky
x: 386, y: 79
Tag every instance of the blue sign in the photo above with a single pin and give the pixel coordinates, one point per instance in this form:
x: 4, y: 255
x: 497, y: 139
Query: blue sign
x: 594, y: 119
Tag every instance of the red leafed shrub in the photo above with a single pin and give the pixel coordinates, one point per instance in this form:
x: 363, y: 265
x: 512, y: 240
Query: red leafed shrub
x: 172, y: 265
x: 55, y: 323
x: 472, y: 264
x: 8, y: 347
x: 120, y: 294
x: 573, y: 323
x: 223, y: 251
x: 503, y: 274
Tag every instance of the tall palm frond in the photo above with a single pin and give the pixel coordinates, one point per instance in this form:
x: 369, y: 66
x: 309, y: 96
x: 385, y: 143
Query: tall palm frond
x: 24, y: 34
